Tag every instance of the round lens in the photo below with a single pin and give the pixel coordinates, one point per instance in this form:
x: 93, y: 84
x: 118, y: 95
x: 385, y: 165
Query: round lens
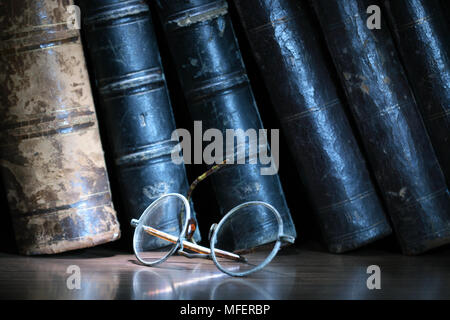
x: 160, y: 227
x: 251, y: 258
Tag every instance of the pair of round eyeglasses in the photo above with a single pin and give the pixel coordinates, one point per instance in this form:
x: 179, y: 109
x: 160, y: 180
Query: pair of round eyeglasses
x: 166, y: 227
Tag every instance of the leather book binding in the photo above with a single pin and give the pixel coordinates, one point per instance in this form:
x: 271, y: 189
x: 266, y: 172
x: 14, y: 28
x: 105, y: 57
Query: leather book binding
x: 134, y: 104
x: 392, y: 130
x: 52, y: 162
x: 422, y: 36
x: 205, y: 52
x: 285, y: 45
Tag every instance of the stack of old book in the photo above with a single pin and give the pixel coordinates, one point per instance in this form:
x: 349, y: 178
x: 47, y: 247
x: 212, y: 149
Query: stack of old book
x: 360, y: 91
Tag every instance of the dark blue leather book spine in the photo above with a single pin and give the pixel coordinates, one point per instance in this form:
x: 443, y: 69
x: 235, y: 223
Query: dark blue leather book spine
x: 398, y: 147
x: 217, y: 91
x: 285, y: 45
x: 422, y: 36
x: 134, y: 102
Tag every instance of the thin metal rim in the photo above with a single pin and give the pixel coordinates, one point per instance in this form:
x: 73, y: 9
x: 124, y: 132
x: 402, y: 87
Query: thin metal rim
x: 181, y: 237
x: 272, y: 254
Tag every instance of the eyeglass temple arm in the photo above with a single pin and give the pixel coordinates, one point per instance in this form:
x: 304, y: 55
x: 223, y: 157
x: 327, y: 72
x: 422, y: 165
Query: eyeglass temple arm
x: 204, y: 176
x: 197, y: 181
x: 191, y: 246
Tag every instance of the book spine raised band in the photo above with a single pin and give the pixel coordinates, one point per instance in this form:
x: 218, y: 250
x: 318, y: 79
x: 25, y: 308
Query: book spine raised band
x: 215, y: 84
x: 398, y: 147
x: 52, y: 161
x: 315, y: 125
x: 134, y: 104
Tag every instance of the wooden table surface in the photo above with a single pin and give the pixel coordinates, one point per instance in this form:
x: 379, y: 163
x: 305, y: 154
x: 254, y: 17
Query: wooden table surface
x: 296, y: 273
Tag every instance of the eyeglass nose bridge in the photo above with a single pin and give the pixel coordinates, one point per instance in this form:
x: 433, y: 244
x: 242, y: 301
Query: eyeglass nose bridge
x: 134, y: 223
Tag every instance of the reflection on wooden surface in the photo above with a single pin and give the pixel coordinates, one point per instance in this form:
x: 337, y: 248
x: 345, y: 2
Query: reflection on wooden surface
x: 296, y: 273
